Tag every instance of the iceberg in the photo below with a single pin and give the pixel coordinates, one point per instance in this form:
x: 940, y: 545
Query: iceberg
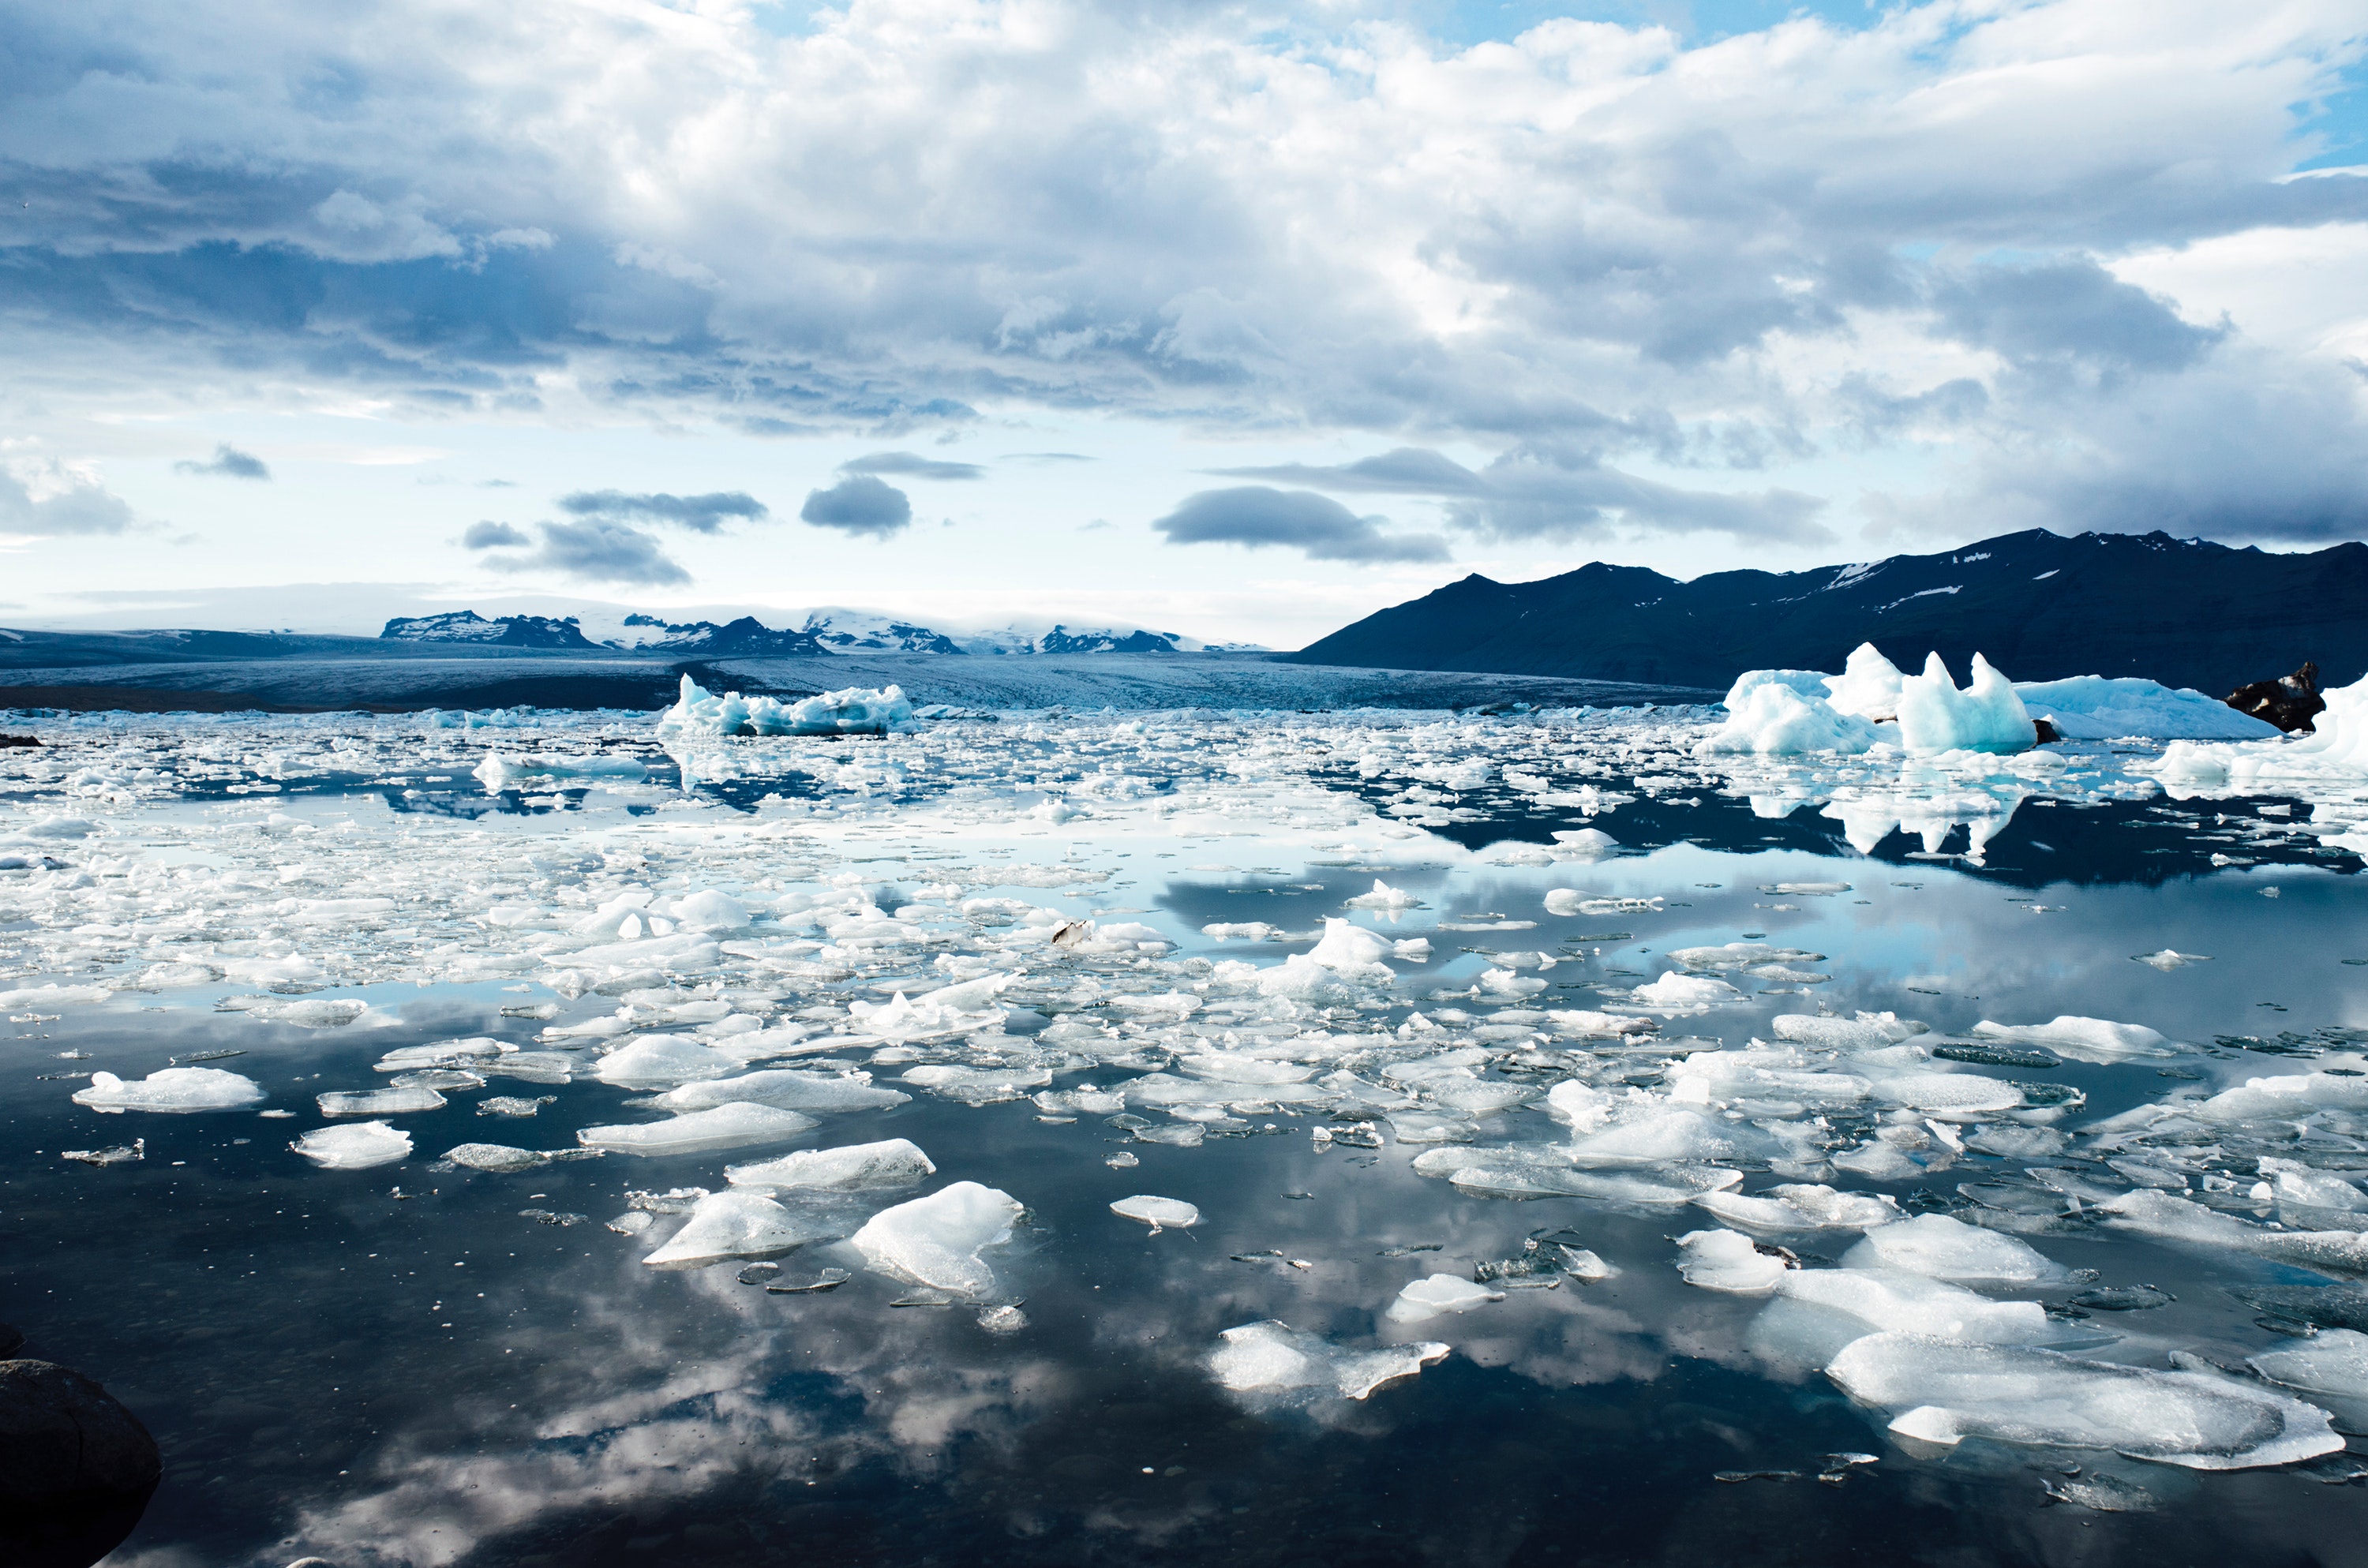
x: 936, y: 1241
x: 1423, y: 1300
x: 732, y: 1126
x: 2098, y: 708
x: 857, y: 710
x: 1945, y: 1392
x: 171, y: 1089
x: 1775, y: 720
x: 733, y: 1224
x: 1160, y: 1214
x: 356, y: 1146
x: 1987, y: 716
x: 1273, y: 1358
x: 855, y: 1168
x: 1868, y: 686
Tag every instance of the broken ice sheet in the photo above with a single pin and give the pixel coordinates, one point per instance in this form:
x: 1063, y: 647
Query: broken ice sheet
x: 737, y: 1125
x: 171, y: 1089
x: 740, y: 1225
x: 1160, y: 1214
x: 1422, y: 1299
x: 354, y: 1146
x: 121, y: 1154
x: 513, y: 1105
x: 1280, y: 1365
x: 936, y: 1241
x: 378, y: 1102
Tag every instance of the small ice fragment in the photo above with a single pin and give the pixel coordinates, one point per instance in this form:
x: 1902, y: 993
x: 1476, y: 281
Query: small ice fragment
x: 2335, y: 1362
x: 937, y: 1240
x: 497, y: 1157
x: 1121, y: 1160
x: 1004, y: 1319
x: 170, y: 1089
x: 1730, y: 1261
x: 2170, y: 959
x: 926, y: 1298
x: 758, y: 1274
x: 893, y: 1162
x: 356, y: 1146
x: 1160, y: 1214
x: 379, y: 1102
x: 828, y: 1280
x: 1423, y: 1300
x: 1384, y: 896
x: 1941, y: 1248
x: 121, y: 1154
x: 632, y: 1221
x: 732, y: 1126
x: 513, y: 1105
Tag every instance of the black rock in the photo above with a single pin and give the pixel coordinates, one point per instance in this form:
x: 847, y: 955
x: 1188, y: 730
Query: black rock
x: 19, y: 740
x: 76, y: 1468
x: 2291, y: 703
x: 2048, y: 734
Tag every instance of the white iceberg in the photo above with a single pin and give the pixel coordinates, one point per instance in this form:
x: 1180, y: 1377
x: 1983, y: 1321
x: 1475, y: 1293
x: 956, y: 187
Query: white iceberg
x: 1384, y: 897
x: 1868, y: 686
x: 1987, y: 716
x: 2087, y: 1040
x: 857, y: 710
x: 733, y: 1224
x: 1946, y: 1393
x: 855, y: 1168
x: 936, y: 1241
x: 733, y: 1126
x: 1273, y: 1358
x: 1423, y: 1300
x: 170, y: 1089
x: 356, y: 1146
x: 1160, y: 1214
x: 2098, y: 707
x: 1775, y: 720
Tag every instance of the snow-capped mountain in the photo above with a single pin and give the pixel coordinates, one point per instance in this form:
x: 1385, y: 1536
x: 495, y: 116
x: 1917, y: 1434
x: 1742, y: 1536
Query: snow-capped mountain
x: 827, y: 631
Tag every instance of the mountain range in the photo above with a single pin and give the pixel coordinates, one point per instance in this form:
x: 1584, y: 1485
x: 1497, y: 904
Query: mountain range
x: 825, y: 631
x: 2039, y: 605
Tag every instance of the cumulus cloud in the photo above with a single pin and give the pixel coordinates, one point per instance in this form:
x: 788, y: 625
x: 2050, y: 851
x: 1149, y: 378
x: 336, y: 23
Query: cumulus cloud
x: 859, y: 504
x: 700, y: 514
x: 1316, y: 526
x: 49, y: 498
x: 228, y: 463
x: 490, y: 535
x: 1731, y: 253
x: 911, y: 465
x: 596, y: 550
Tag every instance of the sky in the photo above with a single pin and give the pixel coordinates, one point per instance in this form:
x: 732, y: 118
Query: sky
x: 1238, y: 320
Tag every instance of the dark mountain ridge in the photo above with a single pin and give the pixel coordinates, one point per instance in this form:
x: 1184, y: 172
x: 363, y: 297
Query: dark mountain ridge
x: 2039, y: 605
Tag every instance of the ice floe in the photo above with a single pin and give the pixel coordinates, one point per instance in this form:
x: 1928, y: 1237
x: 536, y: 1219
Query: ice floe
x: 937, y: 1241
x: 355, y: 1146
x: 734, y: 1125
x: 1276, y: 1360
x: 171, y: 1089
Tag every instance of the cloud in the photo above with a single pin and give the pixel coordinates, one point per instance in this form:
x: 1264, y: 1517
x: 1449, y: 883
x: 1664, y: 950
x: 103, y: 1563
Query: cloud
x: 913, y: 465
x: 860, y: 505
x: 48, y: 498
x: 229, y: 462
x: 700, y: 514
x: 490, y: 535
x: 1047, y: 459
x: 1316, y: 526
x: 1542, y: 492
x: 596, y: 550
x: 2070, y: 311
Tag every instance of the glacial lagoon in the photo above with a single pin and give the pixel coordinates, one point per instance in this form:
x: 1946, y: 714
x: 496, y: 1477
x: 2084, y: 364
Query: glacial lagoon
x: 1576, y: 1148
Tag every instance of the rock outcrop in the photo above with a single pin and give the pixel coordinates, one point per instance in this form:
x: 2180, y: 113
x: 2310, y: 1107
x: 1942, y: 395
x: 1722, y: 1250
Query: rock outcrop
x: 2291, y: 703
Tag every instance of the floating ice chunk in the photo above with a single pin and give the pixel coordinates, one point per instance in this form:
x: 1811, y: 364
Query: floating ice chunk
x: 1941, y: 1248
x: 1248, y: 930
x: 1677, y: 991
x: 1651, y: 1135
x: 1727, y: 1260
x: 499, y: 1158
x: 2086, y: 1039
x: 1352, y: 952
x: 1423, y: 1300
x: 37, y: 998
x: 663, y: 1061
x: 979, y: 1085
x: 1878, y: 1299
x: 734, y: 1224
x: 1947, y: 1392
x: 2095, y: 707
x: 2334, y: 1362
x: 379, y: 1102
x: 443, y: 1053
x: 2293, y: 1181
x: 854, y: 1167
x: 354, y: 1147
x: 1868, y: 686
x: 1987, y: 716
x: 170, y: 1089
x: 1800, y: 1206
x: 499, y: 772
x: 1273, y: 1358
x: 1802, y: 683
x: 2154, y: 1214
x: 1776, y: 721
x: 857, y: 710
x: 1234, y: 1067
x: 789, y: 1089
x: 1505, y: 983
x: 1160, y: 1214
x: 1384, y: 896
x: 708, y: 910
x: 1761, y: 1072
x: 2285, y: 1097
x: 936, y: 1241
x: 1584, y: 842
x: 1944, y: 1094
x: 2169, y: 958
x: 1868, y: 1032
x: 1587, y: 1024
x: 733, y: 1126
x: 952, y: 1009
